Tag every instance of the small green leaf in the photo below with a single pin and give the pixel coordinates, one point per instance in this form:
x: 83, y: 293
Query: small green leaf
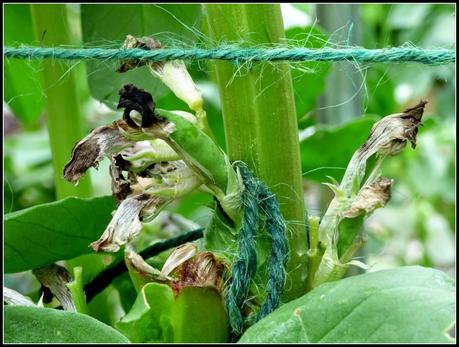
x: 44, y: 325
x: 337, y: 145
x: 109, y: 25
x: 60, y: 230
x: 149, y: 318
x: 77, y: 292
x: 404, y: 305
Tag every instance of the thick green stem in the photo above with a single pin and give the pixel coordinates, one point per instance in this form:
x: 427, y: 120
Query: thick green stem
x: 60, y: 83
x: 260, y: 118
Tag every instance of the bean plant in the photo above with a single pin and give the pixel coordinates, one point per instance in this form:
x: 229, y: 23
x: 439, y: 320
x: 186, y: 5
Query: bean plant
x: 179, y: 280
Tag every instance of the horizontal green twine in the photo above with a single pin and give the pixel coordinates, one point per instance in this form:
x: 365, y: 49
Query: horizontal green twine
x: 386, y: 55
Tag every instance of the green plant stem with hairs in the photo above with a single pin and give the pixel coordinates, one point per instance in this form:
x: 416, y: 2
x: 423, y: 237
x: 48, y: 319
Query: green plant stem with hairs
x: 60, y: 85
x: 260, y: 119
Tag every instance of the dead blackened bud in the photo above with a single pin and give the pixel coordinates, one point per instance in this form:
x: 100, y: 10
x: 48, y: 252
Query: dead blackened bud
x: 136, y: 99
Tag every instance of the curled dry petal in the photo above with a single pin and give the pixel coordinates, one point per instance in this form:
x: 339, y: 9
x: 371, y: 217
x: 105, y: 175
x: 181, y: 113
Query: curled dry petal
x: 121, y: 187
x: 135, y: 262
x: 126, y: 222
x: 88, y: 152
x: 370, y: 198
x: 147, y: 43
x: 202, y: 270
x: 178, y: 256
x: 388, y: 137
x: 55, y: 278
x: 12, y: 297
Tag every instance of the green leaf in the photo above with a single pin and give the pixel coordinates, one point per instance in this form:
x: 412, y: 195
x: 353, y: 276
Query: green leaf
x: 44, y: 325
x: 149, y: 318
x: 109, y: 25
x: 60, y: 230
x: 326, y: 151
x: 403, y: 305
x: 308, y: 78
x: 22, y: 83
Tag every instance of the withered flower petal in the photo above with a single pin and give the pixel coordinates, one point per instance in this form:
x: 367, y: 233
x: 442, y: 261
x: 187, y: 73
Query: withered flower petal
x: 12, y: 297
x: 55, y: 277
x: 138, y: 264
x: 121, y: 187
x: 146, y: 43
x: 126, y: 222
x: 178, y: 256
x: 388, y: 137
x: 88, y: 152
x: 202, y: 270
x: 370, y: 197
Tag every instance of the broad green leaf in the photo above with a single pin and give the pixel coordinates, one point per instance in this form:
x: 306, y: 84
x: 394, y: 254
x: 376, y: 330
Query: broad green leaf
x: 326, y: 151
x: 108, y: 26
x: 45, y: 325
x: 60, y: 230
x: 403, y: 305
x: 308, y: 78
x: 22, y: 83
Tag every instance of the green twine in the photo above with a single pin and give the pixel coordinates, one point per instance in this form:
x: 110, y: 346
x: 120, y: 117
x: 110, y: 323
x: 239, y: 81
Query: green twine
x: 256, y: 197
x: 244, y: 268
x: 277, y: 261
x: 235, y: 54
